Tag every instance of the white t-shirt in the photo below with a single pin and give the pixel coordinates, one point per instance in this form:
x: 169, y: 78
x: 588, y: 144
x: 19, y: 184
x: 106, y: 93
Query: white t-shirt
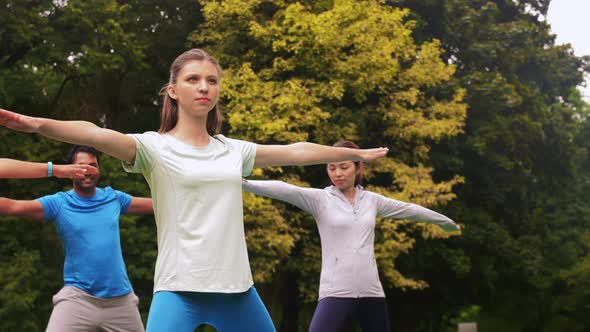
x: 197, y: 195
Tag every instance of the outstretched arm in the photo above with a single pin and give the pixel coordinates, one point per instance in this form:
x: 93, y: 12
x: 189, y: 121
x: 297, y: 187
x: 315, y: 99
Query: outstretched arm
x: 306, y: 199
x: 28, y: 209
x: 16, y: 169
x: 310, y: 153
x: 394, y: 209
x: 140, y: 205
x: 108, y: 141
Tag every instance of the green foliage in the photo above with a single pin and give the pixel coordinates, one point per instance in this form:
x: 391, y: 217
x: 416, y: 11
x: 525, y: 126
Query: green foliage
x: 297, y: 71
x: 101, y: 61
x: 475, y: 101
x: 522, y: 162
x: 19, y: 279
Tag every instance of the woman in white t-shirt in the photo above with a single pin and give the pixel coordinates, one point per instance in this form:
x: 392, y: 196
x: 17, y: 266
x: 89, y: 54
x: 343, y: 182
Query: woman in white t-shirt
x: 202, y: 271
x: 345, y: 214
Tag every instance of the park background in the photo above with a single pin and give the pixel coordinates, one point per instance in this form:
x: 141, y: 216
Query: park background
x: 476, y: 101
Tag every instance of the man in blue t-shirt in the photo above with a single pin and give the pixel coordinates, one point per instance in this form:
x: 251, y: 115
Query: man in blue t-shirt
x: 97, y: 294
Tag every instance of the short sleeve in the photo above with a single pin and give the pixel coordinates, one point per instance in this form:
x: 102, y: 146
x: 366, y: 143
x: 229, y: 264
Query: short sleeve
x: 248, y: 152
x: 124, y: 200
x: 146, y: 146
x: 51, y: 205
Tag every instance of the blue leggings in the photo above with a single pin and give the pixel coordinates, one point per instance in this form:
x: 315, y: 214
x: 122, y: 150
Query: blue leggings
x: 332, y: 313
x: 185, y: 311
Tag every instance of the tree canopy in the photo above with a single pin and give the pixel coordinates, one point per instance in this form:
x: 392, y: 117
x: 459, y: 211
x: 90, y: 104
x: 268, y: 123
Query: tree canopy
x: 475, y: 100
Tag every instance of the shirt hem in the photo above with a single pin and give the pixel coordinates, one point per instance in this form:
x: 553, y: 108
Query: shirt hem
x: 350, y: 296
x: 232, y: 290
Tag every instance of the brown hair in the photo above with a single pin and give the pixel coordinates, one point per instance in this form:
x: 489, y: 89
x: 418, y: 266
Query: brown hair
x: 169, y: 115
x: 358, y: 164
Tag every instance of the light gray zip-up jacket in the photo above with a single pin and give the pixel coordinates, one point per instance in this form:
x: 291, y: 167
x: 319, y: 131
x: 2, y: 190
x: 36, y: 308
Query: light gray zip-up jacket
x: 347, y: 233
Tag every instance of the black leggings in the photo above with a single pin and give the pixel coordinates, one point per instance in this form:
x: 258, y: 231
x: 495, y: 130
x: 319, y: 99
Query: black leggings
x: 332, y: 313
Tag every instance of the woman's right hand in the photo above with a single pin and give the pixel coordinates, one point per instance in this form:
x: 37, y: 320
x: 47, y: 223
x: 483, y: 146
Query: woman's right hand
x: 17, y: 121
x: 105, y: 140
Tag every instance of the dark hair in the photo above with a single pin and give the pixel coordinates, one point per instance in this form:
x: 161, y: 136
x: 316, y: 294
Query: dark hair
x: 169, y: 115
x: 358, y: 164
x: 82, y: 148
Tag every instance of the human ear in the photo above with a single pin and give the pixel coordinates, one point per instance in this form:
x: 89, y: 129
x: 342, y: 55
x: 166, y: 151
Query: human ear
x: 171, y: 92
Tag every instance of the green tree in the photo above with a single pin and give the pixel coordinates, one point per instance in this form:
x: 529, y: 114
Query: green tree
x: 518, y: 155
x: 102, y: 61
x: 324, y: 71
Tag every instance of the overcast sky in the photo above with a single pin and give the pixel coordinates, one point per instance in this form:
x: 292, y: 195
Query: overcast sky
x: 570, y: 21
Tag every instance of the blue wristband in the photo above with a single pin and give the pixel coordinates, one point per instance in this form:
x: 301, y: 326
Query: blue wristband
x: 49, y: 169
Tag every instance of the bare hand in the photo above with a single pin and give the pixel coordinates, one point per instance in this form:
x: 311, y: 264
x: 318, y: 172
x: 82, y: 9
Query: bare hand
x: 17, y: 121
x: 73, y: 171
x: 372, y: 154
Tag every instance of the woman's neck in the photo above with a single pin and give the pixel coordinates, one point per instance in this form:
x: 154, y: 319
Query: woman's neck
x: 349, y: 193
x: 191, y: 130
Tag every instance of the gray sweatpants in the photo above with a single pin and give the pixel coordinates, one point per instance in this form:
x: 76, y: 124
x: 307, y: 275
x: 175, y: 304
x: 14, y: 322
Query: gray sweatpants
x: 77, y: 311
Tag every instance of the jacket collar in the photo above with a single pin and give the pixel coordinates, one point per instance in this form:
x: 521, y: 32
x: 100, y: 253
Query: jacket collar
x: 333, y: 190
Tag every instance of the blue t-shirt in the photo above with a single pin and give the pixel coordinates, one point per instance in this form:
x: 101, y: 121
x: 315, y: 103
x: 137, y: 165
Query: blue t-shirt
x: 89, y: 231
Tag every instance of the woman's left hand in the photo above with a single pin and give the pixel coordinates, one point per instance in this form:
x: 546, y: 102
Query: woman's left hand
x: 372, y: 154
x: 450, y: 227
x: 73, y: 171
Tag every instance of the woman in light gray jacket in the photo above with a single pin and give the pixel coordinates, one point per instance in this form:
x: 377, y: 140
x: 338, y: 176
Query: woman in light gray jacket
x: 345, y: 215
